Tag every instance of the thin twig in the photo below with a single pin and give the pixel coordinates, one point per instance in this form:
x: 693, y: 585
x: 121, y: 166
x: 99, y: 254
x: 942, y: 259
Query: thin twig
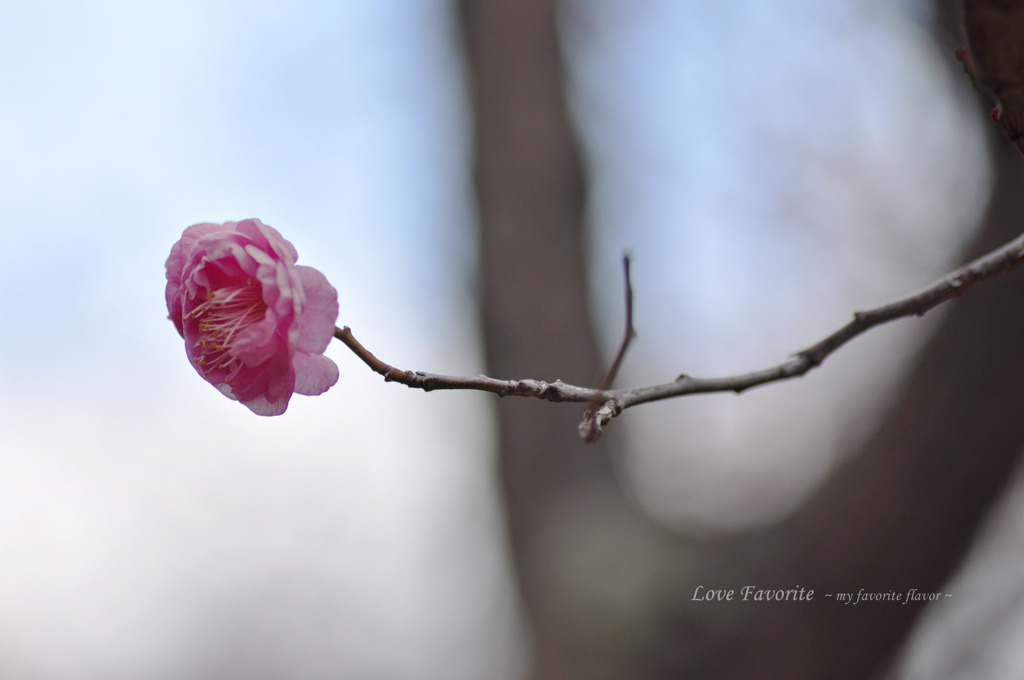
x: 615, y: 402
x: 630, y: 332
x: 553, y: 391
x: 593, y: 431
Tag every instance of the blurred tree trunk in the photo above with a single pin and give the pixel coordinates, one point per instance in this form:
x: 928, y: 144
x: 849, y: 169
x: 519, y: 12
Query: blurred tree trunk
x: 536, y: 322
x: 607, y: 592
x: 578, y: 547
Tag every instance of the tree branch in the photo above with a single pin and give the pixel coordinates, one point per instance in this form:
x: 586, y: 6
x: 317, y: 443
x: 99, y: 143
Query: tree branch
x: 615, y: 402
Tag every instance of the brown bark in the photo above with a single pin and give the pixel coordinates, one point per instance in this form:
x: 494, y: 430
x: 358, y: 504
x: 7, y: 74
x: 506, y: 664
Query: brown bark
x: 994, y: 55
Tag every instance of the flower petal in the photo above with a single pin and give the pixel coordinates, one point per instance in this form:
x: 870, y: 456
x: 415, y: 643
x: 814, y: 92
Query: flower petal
x: 262, y: 406
x: 314, y: 373
x: 319, y: 312
x: 175, y: 268
x: 268, y: 239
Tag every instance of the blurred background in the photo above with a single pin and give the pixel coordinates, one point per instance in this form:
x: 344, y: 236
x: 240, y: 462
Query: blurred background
x: 467, y: 176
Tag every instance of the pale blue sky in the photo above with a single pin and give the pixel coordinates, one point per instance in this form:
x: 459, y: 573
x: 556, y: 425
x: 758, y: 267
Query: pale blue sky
x: 757, y: 158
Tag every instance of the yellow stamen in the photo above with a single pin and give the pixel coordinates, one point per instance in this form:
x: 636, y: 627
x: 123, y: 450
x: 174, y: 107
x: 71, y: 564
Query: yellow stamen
x: 221, y: 317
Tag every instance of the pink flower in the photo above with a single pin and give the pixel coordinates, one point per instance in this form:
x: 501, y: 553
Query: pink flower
x: 255, y: 324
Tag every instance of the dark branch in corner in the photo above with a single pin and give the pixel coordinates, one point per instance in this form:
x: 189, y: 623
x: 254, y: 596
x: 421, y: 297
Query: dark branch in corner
x: 614, y: 402
x: 991, y: 56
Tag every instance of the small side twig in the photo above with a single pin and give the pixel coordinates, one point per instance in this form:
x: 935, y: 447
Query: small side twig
x: 614, y: 402
x: 589, y: 429
x: 629, y: 333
